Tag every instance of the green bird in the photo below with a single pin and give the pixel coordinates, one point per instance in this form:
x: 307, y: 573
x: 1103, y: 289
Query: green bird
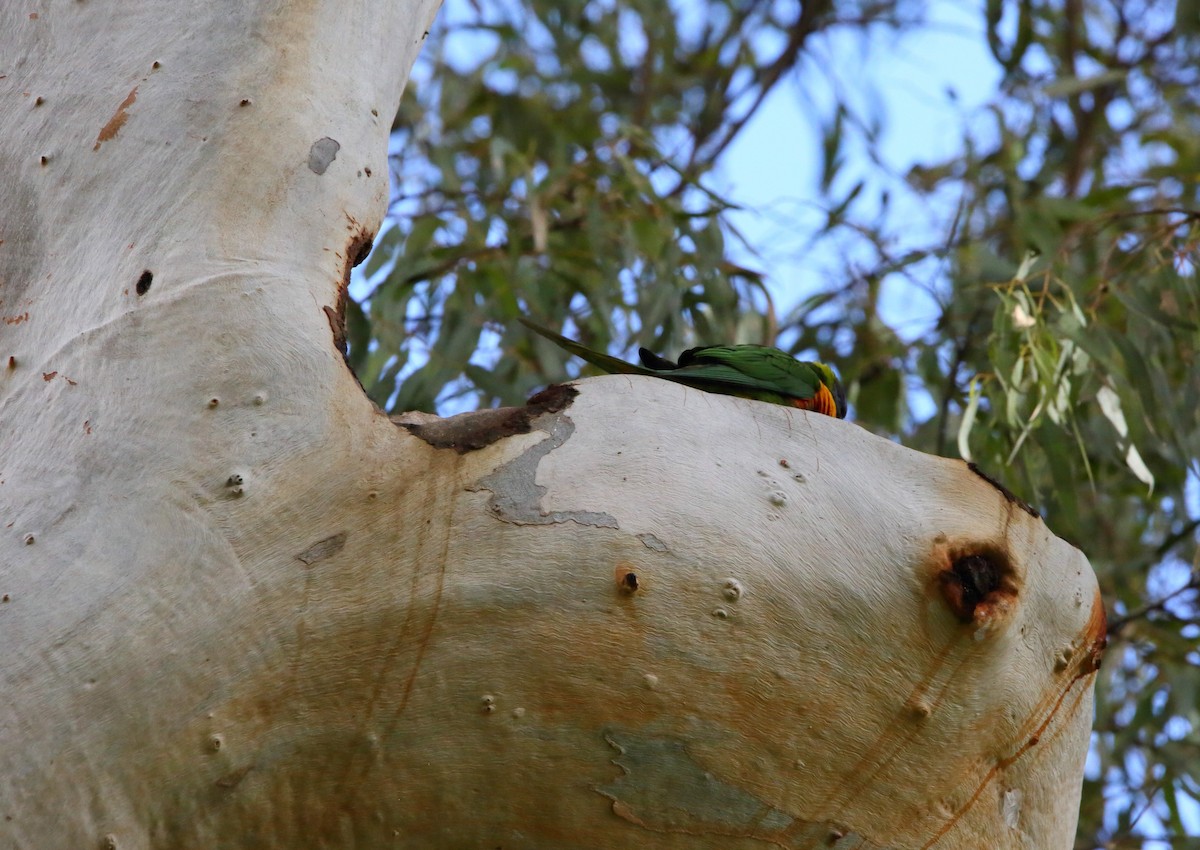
x: 748, y: 371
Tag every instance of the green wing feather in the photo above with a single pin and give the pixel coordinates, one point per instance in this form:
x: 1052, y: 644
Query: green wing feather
x: 750, y: 367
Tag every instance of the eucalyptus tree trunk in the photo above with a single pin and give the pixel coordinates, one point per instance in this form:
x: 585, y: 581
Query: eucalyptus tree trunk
x: 240, y: 607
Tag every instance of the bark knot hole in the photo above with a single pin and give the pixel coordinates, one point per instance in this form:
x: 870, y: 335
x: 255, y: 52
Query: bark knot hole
x: 143, y: 282
x: 627, y: 580
x: 978, y: 584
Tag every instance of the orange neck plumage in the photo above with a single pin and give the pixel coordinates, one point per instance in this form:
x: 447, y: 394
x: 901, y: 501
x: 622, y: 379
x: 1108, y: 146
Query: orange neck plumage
x: 821, y: 402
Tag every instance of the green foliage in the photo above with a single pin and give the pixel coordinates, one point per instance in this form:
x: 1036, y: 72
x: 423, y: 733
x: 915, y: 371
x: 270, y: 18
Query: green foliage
x: 551, y: 161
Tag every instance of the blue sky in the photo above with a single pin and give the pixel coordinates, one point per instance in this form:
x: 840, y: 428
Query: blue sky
x: 772, y: 168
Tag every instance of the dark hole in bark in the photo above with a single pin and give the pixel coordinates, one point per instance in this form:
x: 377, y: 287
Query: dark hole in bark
x: 143, y: 284
x: 969, y: 581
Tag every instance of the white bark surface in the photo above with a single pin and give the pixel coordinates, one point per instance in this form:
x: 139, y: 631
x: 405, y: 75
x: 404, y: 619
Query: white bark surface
x: 239, y: 607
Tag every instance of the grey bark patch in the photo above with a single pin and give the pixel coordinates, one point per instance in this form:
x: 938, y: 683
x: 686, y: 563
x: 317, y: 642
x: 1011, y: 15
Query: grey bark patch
x: 323, y: 549
x: 468, y: 432
x: 653, y: 542
x: 517, y: 497
x: 322, y: 152
x: 23, y: 253
x: 664, y: 789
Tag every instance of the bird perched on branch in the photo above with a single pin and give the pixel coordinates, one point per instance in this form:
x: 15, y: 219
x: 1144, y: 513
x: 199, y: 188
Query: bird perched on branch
x: 748, y: 371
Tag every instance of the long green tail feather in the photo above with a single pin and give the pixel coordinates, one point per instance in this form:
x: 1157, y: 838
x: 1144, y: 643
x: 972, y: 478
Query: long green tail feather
x: 599, y: 359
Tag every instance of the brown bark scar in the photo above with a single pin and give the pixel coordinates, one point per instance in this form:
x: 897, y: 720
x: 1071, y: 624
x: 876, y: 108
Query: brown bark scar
x: 1008, y: 495
x: 468, y: 432
x: 323, y: 549
x: 110, y: 130
x: 357, y: 250
x: 234, y: 778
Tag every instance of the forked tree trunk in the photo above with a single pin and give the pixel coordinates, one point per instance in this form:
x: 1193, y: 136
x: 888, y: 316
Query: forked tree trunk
x: 239, y: 607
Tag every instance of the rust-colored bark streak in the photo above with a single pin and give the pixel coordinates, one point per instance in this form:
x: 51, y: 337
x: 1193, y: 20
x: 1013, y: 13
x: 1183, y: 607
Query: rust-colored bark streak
x: 426, y: 629
x: 16, y: 320
x: 319, y: 551
x: 114, y: 125
x: 1004, y: 763
x: 416, y: 631
x: 1085, y: 663
x: 928, y: 692
x: 943, y: 670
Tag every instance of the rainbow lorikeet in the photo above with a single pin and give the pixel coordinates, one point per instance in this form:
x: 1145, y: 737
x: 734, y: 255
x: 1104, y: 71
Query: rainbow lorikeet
x: 748, y: 371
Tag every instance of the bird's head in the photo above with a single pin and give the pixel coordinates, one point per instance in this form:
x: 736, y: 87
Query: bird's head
x: 835, y: 388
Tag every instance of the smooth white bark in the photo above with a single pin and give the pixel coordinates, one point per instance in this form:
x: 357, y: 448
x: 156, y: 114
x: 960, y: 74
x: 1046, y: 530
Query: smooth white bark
x: 240, y: 607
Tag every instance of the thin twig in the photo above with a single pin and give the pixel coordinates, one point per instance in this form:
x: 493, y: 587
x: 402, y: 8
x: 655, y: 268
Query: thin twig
x: 1115, y: 626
